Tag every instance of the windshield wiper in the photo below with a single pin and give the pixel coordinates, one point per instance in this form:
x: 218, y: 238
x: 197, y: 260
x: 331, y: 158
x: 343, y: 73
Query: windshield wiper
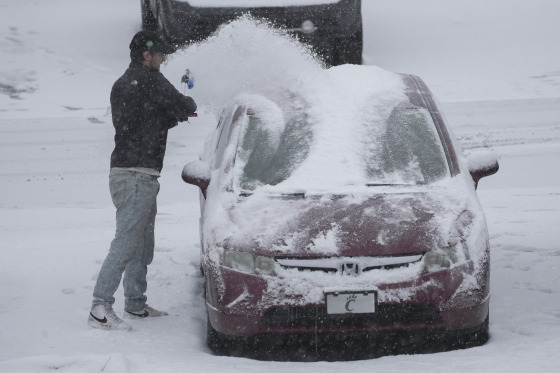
x: 387, y: 184
x: 281, y: 195
x: 298, y: 195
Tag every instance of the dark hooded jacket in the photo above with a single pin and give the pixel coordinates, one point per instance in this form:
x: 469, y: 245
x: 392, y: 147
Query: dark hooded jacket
x: 144, y: 106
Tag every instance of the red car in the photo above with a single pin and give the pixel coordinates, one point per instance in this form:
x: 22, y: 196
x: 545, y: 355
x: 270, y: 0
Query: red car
x: 319, y: 221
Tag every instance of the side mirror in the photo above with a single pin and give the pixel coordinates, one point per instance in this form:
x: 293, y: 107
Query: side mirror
x: 481, y: 164
x: 197, y: 173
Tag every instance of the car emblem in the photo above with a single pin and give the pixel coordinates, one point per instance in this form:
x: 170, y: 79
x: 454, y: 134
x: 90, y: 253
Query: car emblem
x: 350, y: 269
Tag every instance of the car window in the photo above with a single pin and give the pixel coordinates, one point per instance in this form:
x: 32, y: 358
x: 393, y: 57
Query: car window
x: 269, y: 158
x: 221, y: 145
x: 409, y: 151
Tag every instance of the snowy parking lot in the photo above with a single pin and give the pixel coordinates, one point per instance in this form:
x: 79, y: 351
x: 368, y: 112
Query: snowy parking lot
x: 494, y: 66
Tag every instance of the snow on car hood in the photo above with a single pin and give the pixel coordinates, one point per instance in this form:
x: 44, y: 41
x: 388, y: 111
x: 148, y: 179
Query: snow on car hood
x: 377, y: 222
x: 379, y: 225
x: 256, y: 3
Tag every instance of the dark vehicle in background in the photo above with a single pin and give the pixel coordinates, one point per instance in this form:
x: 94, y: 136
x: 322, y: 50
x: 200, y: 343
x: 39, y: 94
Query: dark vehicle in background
x: 363, y: 224
x: 332, y: 27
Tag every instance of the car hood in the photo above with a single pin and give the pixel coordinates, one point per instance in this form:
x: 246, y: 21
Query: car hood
x: 379, y: 224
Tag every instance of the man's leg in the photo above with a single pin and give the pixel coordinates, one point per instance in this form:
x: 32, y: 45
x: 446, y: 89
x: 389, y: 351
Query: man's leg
x: 134, y: 195
x: 134, y: 281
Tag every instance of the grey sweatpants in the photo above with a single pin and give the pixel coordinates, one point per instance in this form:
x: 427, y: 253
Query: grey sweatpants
x: 134, y: 195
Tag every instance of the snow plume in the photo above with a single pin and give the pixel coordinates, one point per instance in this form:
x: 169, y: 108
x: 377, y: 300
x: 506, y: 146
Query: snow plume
x: 245, y: 55
x: 269, y: 112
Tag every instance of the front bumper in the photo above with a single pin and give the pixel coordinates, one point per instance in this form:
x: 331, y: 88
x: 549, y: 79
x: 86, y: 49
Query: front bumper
x: 246, y: 305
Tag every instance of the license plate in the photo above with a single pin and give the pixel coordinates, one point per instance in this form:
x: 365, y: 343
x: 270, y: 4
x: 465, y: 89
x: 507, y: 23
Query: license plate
x: 351, y: 302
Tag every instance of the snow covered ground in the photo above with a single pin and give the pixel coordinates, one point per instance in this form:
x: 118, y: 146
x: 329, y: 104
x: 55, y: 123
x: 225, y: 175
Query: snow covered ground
x: 493, y: 64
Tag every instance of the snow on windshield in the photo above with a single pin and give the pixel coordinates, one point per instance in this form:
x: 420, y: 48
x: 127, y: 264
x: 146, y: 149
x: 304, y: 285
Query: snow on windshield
x: 267, y: 155
x: 344, y: 101
x: 365, y: 134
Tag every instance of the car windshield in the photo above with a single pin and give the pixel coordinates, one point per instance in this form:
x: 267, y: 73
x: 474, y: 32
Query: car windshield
x: 408, y: 151
x: 269, y: 158
x: 400, y: 147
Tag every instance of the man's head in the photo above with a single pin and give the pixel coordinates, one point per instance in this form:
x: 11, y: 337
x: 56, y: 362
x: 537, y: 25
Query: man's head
x: 149, y: 48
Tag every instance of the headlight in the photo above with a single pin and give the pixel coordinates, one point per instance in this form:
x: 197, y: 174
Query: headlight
x: 243, y: 262
x: 308, y: 27
x: 435, y: 260
x: 439, y: 259
x: 248, y: 263
x: 265, y: 265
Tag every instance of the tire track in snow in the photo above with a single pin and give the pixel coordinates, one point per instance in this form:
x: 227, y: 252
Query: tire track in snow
x: 504, y: 123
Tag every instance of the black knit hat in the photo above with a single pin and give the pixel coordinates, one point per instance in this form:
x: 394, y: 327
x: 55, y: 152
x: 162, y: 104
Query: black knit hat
x: 151, y: 42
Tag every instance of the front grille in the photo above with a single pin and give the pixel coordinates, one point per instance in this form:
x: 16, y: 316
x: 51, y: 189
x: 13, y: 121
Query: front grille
x: 387, y: 314
x: 358, y: 264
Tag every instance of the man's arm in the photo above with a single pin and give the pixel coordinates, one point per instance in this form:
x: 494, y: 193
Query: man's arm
x: 175, y: 103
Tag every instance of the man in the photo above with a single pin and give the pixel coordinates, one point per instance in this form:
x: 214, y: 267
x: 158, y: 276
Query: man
x: 144, y: 106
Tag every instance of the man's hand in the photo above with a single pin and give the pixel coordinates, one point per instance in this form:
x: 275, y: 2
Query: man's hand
x: 187, y: 119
